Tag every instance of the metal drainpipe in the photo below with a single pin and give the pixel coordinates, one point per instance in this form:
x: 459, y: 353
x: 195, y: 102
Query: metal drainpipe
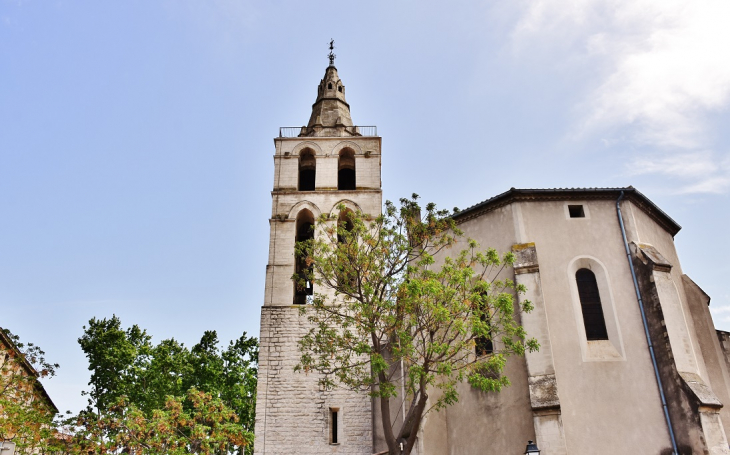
x: 646, y: 326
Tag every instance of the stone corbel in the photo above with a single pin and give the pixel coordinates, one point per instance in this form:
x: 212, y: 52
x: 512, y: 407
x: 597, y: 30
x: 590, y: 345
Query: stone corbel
x: 701, y: 392
x: 544, y: 392
x: 708, y: 406
x: 525, y: 258
x: 650, y: 255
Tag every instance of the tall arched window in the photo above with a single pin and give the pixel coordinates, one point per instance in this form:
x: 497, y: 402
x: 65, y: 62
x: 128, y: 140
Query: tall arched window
x: 346, y: 170
x: 307, y: 170
x: 590, y: 303
x: 346, y: 276
x: 344, y: 221
x: 304, y: 231
x: 483, y: 345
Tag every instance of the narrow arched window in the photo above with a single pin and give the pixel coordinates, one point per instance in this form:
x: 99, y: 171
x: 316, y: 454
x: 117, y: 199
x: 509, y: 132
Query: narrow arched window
x: 346, y: 276
x: 590, y: 304
x: 307, y: 170
x: 346, y: 171
x: 329, y: 86
x: 344, y: 223
x: 304, y: 286
x: 483, y: 345
x: 334, y: 434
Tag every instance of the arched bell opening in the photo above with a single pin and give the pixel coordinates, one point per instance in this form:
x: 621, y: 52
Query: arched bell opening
x: 346, y: 171
x: 344, y: 222
x: 303, y: 287
x: 347, y: 276
x: 307, y: 170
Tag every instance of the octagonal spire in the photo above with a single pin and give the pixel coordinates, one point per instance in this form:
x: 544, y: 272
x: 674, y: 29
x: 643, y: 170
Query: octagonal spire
x: 330, y: 112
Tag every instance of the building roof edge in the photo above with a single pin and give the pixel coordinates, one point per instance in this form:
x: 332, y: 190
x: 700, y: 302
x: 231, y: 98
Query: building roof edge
x: 547, y: 194
x: 28, y: 367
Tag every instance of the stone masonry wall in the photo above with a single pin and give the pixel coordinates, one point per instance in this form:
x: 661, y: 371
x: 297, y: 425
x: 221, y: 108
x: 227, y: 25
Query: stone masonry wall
x: 292, y: 412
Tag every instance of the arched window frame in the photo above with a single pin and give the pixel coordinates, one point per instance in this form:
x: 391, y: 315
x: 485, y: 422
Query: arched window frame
x: 610, y: 349
x: 348, y: 204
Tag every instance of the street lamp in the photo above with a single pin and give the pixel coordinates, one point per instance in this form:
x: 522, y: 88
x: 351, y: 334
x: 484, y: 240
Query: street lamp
x: 531, y: 449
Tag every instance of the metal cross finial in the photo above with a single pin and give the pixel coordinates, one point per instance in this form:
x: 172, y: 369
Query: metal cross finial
x: 332, y: 54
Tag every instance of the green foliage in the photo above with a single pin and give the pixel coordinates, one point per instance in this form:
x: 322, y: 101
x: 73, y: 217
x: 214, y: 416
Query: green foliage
x: 399, y: 300
x: 27, y: 413
x: 130, y: 372
x: 115, y: 361
x: 196, y: 423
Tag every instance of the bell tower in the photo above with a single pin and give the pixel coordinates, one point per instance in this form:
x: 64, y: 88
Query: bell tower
x: 317, y: 168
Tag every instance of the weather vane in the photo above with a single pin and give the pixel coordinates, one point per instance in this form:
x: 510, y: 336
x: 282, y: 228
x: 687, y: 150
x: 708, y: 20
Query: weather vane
x: 332, y: 54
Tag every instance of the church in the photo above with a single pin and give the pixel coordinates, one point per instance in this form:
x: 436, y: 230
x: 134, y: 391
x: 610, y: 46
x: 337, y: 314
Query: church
x: 629, y: 362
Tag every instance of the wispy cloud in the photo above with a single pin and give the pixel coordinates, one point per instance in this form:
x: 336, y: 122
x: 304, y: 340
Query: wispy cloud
x: 720, y: 313
x: 720, y: 309
x: 698, y: 172
x: 662, y: 73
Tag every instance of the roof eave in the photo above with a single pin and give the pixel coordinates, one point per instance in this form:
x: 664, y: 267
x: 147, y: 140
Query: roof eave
x: 536, y: 194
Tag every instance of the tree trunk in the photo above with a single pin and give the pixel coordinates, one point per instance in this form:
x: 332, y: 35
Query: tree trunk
x: 385, y: 418
x: 414, y: 422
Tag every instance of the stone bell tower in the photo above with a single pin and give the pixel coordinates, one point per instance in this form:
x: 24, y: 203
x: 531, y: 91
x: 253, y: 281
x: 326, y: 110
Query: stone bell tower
x: 317, y: 167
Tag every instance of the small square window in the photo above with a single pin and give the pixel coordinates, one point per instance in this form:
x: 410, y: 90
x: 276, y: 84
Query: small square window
x: 576, y: 211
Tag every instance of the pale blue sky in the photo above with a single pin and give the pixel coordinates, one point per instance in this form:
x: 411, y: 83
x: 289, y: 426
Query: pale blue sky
x: 136, y: 137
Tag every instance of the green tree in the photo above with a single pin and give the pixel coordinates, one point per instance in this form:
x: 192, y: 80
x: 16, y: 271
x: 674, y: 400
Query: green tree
x: 196, y: 423
x: 118, y: 363
x: 405, y: 314
x: 131, y: 376
x: 27, y: 412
